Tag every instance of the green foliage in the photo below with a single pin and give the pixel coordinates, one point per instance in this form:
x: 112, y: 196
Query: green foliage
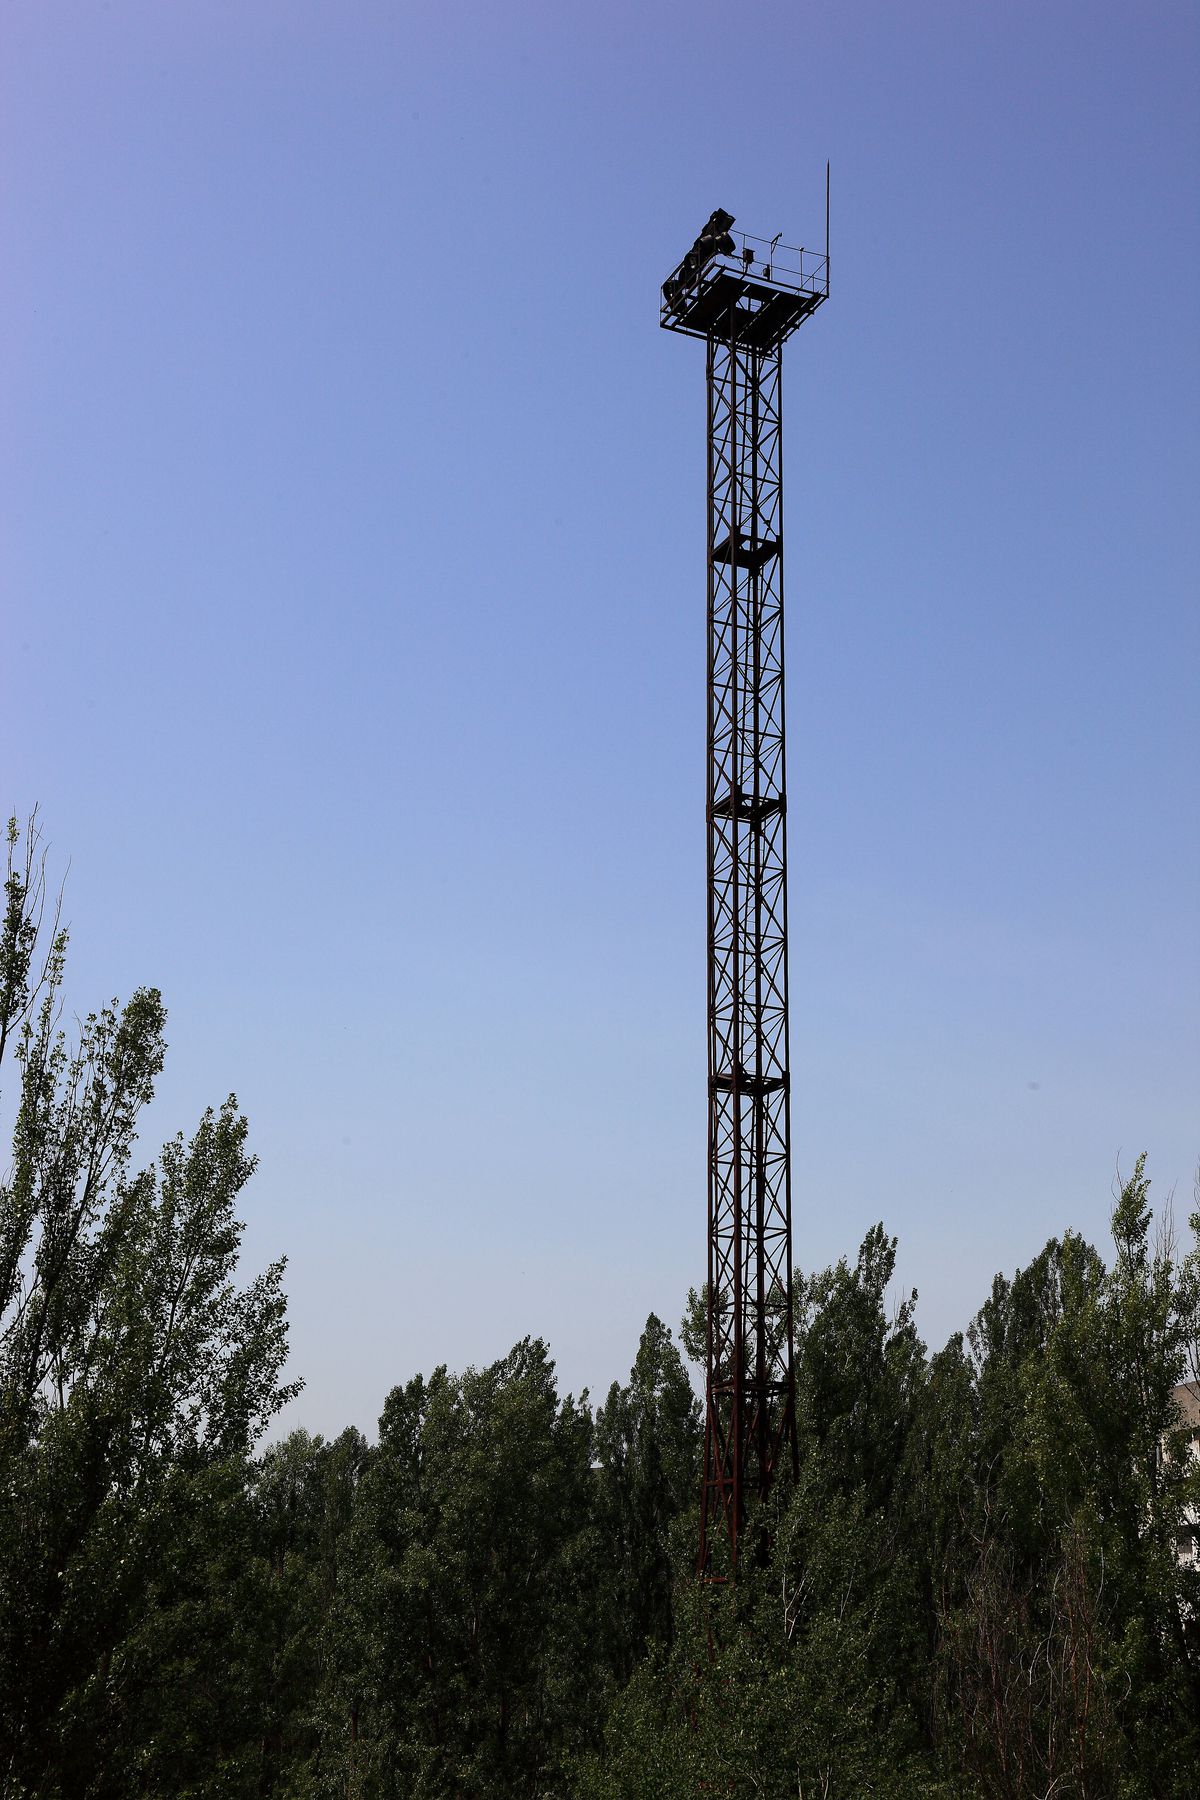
x: 462, y: 1650
x: 974, y: 1587
x: 1069, y: 1657
x: 647, y: 1447
x: 796, y: 1680
x: 135, y: 1376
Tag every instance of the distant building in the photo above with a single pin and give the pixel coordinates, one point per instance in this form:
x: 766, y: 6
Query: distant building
x: 1187, y: 1399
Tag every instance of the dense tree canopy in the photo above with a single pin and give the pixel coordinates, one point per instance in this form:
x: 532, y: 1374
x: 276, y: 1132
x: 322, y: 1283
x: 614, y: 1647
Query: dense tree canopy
x: 975, y: 1587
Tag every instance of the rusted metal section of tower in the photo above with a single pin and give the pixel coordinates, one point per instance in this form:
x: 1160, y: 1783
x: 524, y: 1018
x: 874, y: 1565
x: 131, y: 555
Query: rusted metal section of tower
x: 745, y: 296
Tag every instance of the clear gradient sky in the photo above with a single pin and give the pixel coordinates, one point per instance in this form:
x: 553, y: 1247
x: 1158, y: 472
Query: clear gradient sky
x: 353, y: 622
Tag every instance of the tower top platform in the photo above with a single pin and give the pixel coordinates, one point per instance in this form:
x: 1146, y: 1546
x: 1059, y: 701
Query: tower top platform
x: 755, y: 291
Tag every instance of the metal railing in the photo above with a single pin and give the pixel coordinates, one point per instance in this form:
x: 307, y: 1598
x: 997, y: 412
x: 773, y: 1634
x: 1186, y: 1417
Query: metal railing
x: 763, y: 261
x: 770, y: 259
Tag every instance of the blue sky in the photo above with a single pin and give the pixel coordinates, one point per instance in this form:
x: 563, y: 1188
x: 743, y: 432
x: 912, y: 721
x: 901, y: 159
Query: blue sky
x: 353, y: 620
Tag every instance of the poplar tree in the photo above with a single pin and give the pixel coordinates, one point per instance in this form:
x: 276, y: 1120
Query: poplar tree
x: 136, y: 1374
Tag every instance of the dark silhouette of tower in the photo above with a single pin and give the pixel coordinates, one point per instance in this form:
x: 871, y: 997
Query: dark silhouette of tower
x: 745, y: 296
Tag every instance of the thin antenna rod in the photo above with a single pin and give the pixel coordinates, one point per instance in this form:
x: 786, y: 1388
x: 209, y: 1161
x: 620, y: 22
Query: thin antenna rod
x: 827, y: 227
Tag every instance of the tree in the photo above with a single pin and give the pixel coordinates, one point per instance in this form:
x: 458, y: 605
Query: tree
x: 1069, y: 1656
x: 304, y: 1493
x: 806, y: 1676
x: 465, y: 1660
x: 647, y: 1448
x: 135, y: 1374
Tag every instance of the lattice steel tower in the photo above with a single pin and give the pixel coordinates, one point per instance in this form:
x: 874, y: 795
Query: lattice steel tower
x: 745, y: 296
